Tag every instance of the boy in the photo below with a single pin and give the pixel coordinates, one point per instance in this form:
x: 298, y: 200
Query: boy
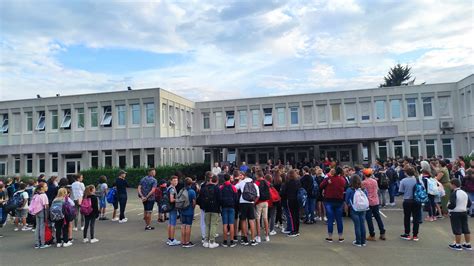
x: 146, y: 190
x: 173, y: 213
x: 228, y: 200
x: 22, y: 212
x: 78, y: 189
x: 187, y: 215
x: 458, y: 205
x: 212, y: 209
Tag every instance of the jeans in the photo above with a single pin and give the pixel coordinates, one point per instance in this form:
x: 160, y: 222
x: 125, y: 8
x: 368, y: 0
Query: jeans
x: 90, y: 221
x: 374, y: 211
x: 359, y: 227
x: 392, y: 191
x: 382, y: 193
x: 203, y: 224
x: 309, y: 209
x: 471, y: 198
x: 78, y: 211
x: 212, y: 220
x: 271, y: 217
x: 122, y: 200
x: 39, y: 232
x: 287, y: 215
x: 3, y: 216
x: 279, y: 212
x: 334, y: 211
x: 411, y: 209
x: 61, y: 232
x: 431, y: 205
x: 294, y: 211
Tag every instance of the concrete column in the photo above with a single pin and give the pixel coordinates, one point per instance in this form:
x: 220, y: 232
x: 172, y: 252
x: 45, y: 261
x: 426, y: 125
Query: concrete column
x: 35, y: 172
x: 47, y: 164
x: 212, y: 157
x: 237, y: 157
x: 85, y: 160
x: 10, y: 165
x: 225, y: 152
x: 372, y: 152
x: 317, y: 153
x: 360, y: 153
x: 157, y: 156
x: 100, y: 154
x: 275, y: 155
x: 143, y: 158
x: 129, y: 158
x: 61, y: 170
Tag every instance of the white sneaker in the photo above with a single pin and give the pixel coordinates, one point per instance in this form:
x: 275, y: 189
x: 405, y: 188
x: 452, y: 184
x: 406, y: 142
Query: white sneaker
x: 267, y: 239
x: 272, y: 233
x: 94, y: 240
x: 122, y: 221
x: 174, y: 243
x: 25, y: 228
x: 82, y: 228
x: 325, y: 219
x: 285, y: 231
x: 258, y: 239
x: 115, y: 219
x: 16, y: 229
x: 85, y: 240
x: 74, y: 229
x: 216, y: 235
x: 205, y: 244
x: 68, y: 244
x: 213, y: 245
x: 59, y: 245
x: 125, y: 219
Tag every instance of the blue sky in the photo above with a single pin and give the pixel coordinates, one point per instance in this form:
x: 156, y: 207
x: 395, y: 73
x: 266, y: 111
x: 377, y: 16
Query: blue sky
x: 213, y: 49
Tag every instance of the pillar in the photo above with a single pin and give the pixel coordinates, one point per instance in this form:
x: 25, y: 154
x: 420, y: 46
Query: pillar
x: 372, y: 151
x: 212, y: 157
x: 225, y: 152
x: 360, y: 153
x: 237, y: 157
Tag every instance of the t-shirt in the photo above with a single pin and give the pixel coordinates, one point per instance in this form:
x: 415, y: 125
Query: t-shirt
x: 372, y: 188
x: 43, y: 199
x: 172, y: 191
x: 121, y: 185
x: 216, y: 170
x: 189, y: 211
x: 445, y: 178
x: 240, y: 186
x: 77, y: 190
x: 147, y: 184
x: 406, y: 187
x: 101, y: 189
x: 25, y: 196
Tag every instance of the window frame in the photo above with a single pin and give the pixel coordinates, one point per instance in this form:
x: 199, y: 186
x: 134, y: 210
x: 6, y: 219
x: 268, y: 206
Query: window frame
x: 376, y: 103
x: 230, y: 119
x: 294, y: 110
x: 80, y: 116
x: 4, y: 127
x: 135, y: 109
x: 107, y: 116
x: 243, y: 124
x: 150, y: 110
x: 42, y: 120
x: 347, y: 109
x: 339, y: 112
x: 400, y: 113
x: 54, y: 120
x: 425, y: 103
x: 94, y: 116
x: 411, y: 105
x: 206, y: 116
x: 267, y: 117
x: 67, y: 120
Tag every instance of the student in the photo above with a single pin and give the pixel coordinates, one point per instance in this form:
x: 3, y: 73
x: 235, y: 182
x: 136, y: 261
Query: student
x: 307, y: 182
x: 320, y: 204
x: 459, y: 205
x: 271, y: 207
x: 101, y: 194
x: 333, y: 188
x: 371, y: 186
x: 228, y: 199
x: 262, y: 205
x: 77, y: 195
x: 207, y: 178
x: 160, y: 190
x: 62, y: 226
x: 21, y: 212
x: 211, y: 205
x: 3, y: 215
x: 187, y: 215
x: 411, y: 208
x: 121, y: 185
x: 173, y: 213
x: 146, y: 190
x: 52, y: 188
x: 357, y: 216
x: 247, y: 210
x: 40, y: 207
x: 89, y: 193
x: 468, y: 186
x: 290, y: 193
x: 277, y: 183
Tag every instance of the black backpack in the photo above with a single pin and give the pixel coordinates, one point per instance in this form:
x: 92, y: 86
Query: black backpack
x: 264, y: 190
x: 165, y: 202
x: 227, y: 196
x: 209, y: 197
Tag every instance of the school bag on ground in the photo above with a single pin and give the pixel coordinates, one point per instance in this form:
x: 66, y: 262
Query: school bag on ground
x: 419, y: 192
x: 86, y: 206
x: 302, y: 197
x: 112, y: 196
x: 264, y: 191
x: 360, y: 202
x: 56, y: 211
x: 432, y: 186
x: 69, y: 210
x: 227, y: 197
x: 182, y: 200
x: 250, y: 192
x: 35, y: 206
x: 48, y: 235
x: 164, y: 202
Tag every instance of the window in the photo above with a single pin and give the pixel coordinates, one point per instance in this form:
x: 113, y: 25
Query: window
x: 255, y: 118
x: 444, y: 107
x: 414, y: 148
x: 41, y: 124
x: 322, y: 117
x: 135, y: 109
x: 150, y: 113
x: 29, y: 163
x: 94, y: 159
x: 230, y: 120
x: 336, y: 112
x: 29, y: 121
x: 4, y: 125
x: 136, y: 161
x: 427, y: 107
x: 350, y: 112
x: 398, y: 148
x: 218, y: 120
x: 122, y: 161
x: 163, y: 114
x: 383, y: 151
x: 17, y: 164
x: 308, y: 115
x: 396, y: 109
x: 177, y: 117
x: 41, y: 165
x: 243, y: 118
x: 294, y: 115
x: 430, y: 148
x: 54, y: 120
x: 150, y: 159
x: 171, y: 116
x: 365, y: 111
x: 268, y: 118
x: 206, y: 121
x: 16, y: 123
x: 281, y: 116
x: 80, y: 117
x: 66, y: 123
x: 121, y: 115
x: 380, y: 110
x: 94, y: 117
x: 189, y: 119
x: 411, y: 107
x: 447, y: 148
x: 108, y: 159
x: 54, y: 162
x: 3, y: 168
x: 107, y: 117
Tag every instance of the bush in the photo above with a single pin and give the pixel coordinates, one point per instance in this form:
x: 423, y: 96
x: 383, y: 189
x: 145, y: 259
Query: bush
x: 91, y: 176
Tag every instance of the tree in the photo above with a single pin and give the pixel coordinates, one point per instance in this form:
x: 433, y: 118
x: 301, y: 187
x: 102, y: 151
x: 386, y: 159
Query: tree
x: 397, y: 76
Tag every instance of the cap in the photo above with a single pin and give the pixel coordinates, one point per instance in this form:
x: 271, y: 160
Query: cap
x: 122, y: 172
x: 367, y: 171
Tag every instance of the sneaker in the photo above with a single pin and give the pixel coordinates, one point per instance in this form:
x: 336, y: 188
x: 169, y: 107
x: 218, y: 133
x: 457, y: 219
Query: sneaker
x: 245, y: 243
x: 405, y: 237
x: 258, y: 239
x: 325, y: 219
x: 224, y: 243
x: 82, y: 228
x: 415, y: 238
x: 16, y: 229
x: 205, y: 244
x: 59, y: 245
x: 371, y: 238
x: 175, y: 243
x: 293, y: 234
x: 455, y: 246
x: 213, y: 245
x: 149, y: 228
x: 44, y: 246
x: 68, y: 244
x: 74, y: 229
x: 272, y: 233
x: 341, y: 240
x: 85, y: 240
x: 125, y: 219
x: 216, y: 235
x: 328, y: 240
x: 267, y: 239
x: 122, y: 221
x: 104, y: 218
x: 232, y: 244
x: 94, y: 240
x: 253, y: 243
x: 25, y: 228
x: 190, y: 244
x: 285, y: 231
x: 356, y: 244
x: 115, y: 219
x: 36, y: 246
x: 467, y: 246
x: 203, y: 240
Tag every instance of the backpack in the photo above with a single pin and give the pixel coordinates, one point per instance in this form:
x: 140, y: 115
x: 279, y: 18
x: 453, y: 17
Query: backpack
x: 274, y: 195
x: 69, y: 210
x: 56, y: 211
x: 441, y: 190
x: 208, y: 199
x: 86, y: 206
x: 383, y: 181
x: 432, y: 186
x: 250, y: 192
x: 227, y: 197
x: 35, y: 206
x: 302, y: 197
x: 182, y: 200
x: 48, y: 234
x: 315, y: 189
x: 112, y: 196
x: 17, y: 200
x: 164, y: 202
x: 419, y: 192
x: 264, y: 191
x: 159, y: 192
x: 360, y: 202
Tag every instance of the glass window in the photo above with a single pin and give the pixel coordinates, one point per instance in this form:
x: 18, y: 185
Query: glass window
x: 268, y: 118
x: 107, y: 117
x: 66, y: 123
x: 206, y: 121
x: 243, y: 118
x: 94, y: 159
x: 150, y: 113
x: 108, y: 159
x: 396, y: 109
x: 218, y: 120
x: 150, y: 159
x: 447, y: 148
x: 54, y: 119
x: 444, y: 107
x: 29, y: 121
x: 3, y: 168
x: 121, y: 115
x: 255, y: 118
x: 136, y: 160
x: 80, y: 117
x: 411, y: 107
x: 281, y: 116
x: 383, y: 150
x: 136, y: 117
x: 427, y: 107
x: 294, y: 119
x: 380, y: 110
x: 41, y: 125
x: 163, y: 114
x: 430, y: 148
x: 365, y: 111
x: 189, y: 119
x: 29, y: 163
x: 230, y: 120
x: 17, y: 164
x: 171, y: 116
x: 308, y: 115
x: 350, y: 112
x: 4, y: 125
x: 414, y: 148
x: 336, y: 112
x: 54, y: 162
x: 398, y: 148
x: 41, y: 165
x: 322, y: 116
x: 122, y: 161
x: 16, y: 123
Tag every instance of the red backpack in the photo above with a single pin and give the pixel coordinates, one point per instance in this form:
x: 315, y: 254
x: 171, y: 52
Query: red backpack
x: 274, y: 195
x: 86, y: 206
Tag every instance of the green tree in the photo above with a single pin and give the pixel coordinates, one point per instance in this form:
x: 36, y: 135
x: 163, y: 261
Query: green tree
x: 397, y: 76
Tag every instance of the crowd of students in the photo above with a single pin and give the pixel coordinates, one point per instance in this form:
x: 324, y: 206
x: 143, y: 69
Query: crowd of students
x: 252, y: 204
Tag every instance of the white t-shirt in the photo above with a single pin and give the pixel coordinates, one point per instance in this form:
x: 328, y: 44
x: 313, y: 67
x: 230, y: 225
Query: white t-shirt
x: 240, y: 186
x: 78, y: 189
x: 216, y: 170
x: 25, y: 196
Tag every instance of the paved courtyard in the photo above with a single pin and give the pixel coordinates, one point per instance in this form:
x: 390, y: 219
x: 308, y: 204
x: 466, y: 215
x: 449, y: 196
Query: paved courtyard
x: 129, y: 244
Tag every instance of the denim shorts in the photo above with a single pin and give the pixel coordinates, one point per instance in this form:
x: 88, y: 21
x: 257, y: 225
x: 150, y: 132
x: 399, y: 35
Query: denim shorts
x: 228, y: 215
x: 148, y: 206
x: 102, y: 203
x: 21, y: 213
x: 187, y: 219
x: 173, y: 217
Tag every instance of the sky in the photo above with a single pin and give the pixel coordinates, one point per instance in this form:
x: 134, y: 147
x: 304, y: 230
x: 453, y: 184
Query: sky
x: 222, y: 49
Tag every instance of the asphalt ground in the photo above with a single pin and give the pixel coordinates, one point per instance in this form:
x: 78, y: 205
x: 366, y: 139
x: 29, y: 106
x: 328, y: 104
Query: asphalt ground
x: 130, y: 244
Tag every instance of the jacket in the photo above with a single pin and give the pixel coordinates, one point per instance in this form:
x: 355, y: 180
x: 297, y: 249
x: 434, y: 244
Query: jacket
x: 333, y: 191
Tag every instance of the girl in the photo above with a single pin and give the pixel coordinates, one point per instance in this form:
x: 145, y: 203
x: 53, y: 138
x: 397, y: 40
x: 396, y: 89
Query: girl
x: 40, y: 203
x: 89, y: 193
x: 62, y: 227
x: 333, y: 189
x: 102, y: 190
x: 358, y: 217
x: 290, y: 193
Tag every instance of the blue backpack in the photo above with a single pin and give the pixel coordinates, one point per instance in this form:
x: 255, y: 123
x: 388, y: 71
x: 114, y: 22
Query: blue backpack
x: 227, y: 197
x: 112, y: 195
x: 302, y: 197
x: 419, y: 193
x: 315, y: 190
